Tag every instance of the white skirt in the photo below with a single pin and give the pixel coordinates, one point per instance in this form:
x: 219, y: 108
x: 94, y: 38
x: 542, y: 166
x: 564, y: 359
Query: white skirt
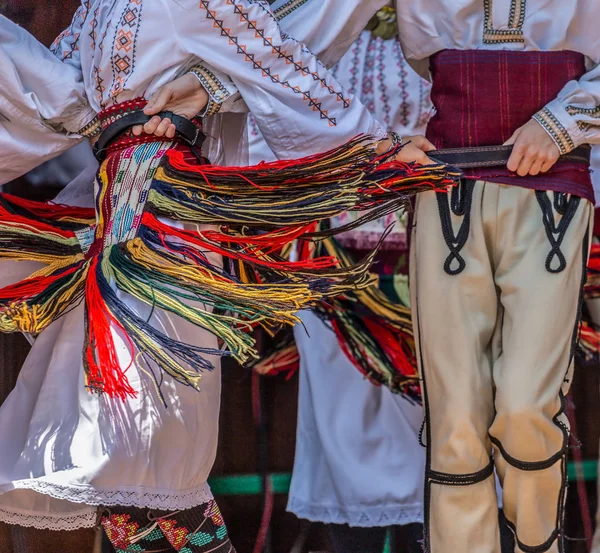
x: 66, y: 451
x: 358, y: 459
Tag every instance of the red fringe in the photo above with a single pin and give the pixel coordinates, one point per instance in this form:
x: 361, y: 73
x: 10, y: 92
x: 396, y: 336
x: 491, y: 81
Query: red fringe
x: 31, y: 287
x: 392, y: 346
x: 110, y: 377
x: 40, y: 226
x: 196, y: 238
x: 52, y: 211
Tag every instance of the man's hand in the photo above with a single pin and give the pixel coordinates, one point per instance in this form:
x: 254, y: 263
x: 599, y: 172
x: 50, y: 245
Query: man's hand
x: 534, y: 151
x: 413, y: 150
x: 184, y: 96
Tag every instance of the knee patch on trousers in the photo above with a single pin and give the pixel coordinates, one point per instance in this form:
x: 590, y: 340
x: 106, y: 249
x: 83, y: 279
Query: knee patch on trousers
x: 530, y: 465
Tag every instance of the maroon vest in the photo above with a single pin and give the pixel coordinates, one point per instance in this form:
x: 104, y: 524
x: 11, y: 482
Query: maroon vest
x: 482, y: 96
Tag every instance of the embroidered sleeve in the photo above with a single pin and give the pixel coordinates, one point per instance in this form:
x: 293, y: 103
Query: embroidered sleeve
x: 66, y: 45
x: 92, y: 129
x: 297, y: 103
x: 574, y: 117
x: 222, y: 93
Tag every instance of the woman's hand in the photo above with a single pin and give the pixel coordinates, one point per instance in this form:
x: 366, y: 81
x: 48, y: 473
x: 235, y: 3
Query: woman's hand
x: 184, y: 96
x: 413, y: 150
x: 534, y: 151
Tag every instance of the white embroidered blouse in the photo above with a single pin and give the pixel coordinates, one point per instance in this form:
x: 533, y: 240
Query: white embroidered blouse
x: 123, y: 48
x: 115, y: 50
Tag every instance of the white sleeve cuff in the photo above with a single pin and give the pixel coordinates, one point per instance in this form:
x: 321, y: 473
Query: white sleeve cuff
x: 219, y: 87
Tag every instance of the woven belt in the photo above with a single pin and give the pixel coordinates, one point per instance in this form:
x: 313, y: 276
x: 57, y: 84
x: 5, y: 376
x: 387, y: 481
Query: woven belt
x: 185, y: 129
x: 495, y: 156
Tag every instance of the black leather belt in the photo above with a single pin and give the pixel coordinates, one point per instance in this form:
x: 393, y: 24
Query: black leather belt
x: 185, y: 128
x: 494, y: 156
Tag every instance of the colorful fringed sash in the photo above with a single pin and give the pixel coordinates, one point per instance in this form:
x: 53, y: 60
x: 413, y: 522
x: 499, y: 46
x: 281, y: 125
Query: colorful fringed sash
x: 374, y: 332
x: 127, y: 244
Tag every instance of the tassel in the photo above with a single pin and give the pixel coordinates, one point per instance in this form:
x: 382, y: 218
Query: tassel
x: 292, y: 192
x: 125, y: 245
x: 375, y: 334
x: 103, y: 368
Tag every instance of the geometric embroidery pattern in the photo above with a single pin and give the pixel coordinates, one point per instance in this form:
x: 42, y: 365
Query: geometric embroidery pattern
x: 555, y: 128
x: 514, y: 33
x: 67, y: 43
x: 593, y: 113
x: 124, y: 46
x: 288, y: 8
x: 266, y: 71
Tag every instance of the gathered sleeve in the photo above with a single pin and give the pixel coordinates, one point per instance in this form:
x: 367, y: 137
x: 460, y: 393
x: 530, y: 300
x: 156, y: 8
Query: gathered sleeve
x: 43, y: 107
x: 299, y: 107
x: 573, y: 118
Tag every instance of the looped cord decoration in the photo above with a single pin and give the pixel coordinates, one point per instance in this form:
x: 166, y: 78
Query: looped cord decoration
x: 566, y: 206
x: 461, y: 199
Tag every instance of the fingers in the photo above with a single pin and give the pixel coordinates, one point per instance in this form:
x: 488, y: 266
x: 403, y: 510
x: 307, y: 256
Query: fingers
x: 531, y: 160
x: 525, y: 166
x: 514, y: 137
x: 157, y: 127
x: 151, y: 126
x: 536, y: 166
x: 158, y: 100
x: 547, y: 165
x: 426, y: 160
x: 163, y: 127
x: 160, y: 127
x: 171, y: 131
x: 420, y: 142
x: 516, y: 158
x: 410, y: 153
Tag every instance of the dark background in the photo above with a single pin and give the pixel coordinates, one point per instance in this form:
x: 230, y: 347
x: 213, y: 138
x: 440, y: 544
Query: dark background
x: 238, y: 451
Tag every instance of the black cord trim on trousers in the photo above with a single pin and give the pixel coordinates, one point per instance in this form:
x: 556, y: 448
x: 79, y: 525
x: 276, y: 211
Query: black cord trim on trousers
x: 562, y: 498
x: 556, y: 232
x: 422, y: 434
x: 533, y: 548
x: 584, y: 275
x: 427, y: 430
x: 532, y: 465
x: 461, y: 199
x: 448, y: 479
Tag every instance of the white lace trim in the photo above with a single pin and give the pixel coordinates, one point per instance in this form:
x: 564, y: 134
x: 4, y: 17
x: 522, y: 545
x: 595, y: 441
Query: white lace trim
x: 87, y: 495
x: 49, y: 522
x: 396, y: 515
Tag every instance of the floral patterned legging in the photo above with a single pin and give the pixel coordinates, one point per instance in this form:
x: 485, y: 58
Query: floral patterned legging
x: 197, y: 530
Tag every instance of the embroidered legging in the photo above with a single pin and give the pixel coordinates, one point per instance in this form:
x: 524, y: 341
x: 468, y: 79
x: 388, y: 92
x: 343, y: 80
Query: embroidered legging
x: 197, y: 530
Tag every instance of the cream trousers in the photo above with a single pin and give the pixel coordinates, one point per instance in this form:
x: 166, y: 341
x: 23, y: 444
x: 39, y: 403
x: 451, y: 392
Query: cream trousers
x: 496, y: 283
